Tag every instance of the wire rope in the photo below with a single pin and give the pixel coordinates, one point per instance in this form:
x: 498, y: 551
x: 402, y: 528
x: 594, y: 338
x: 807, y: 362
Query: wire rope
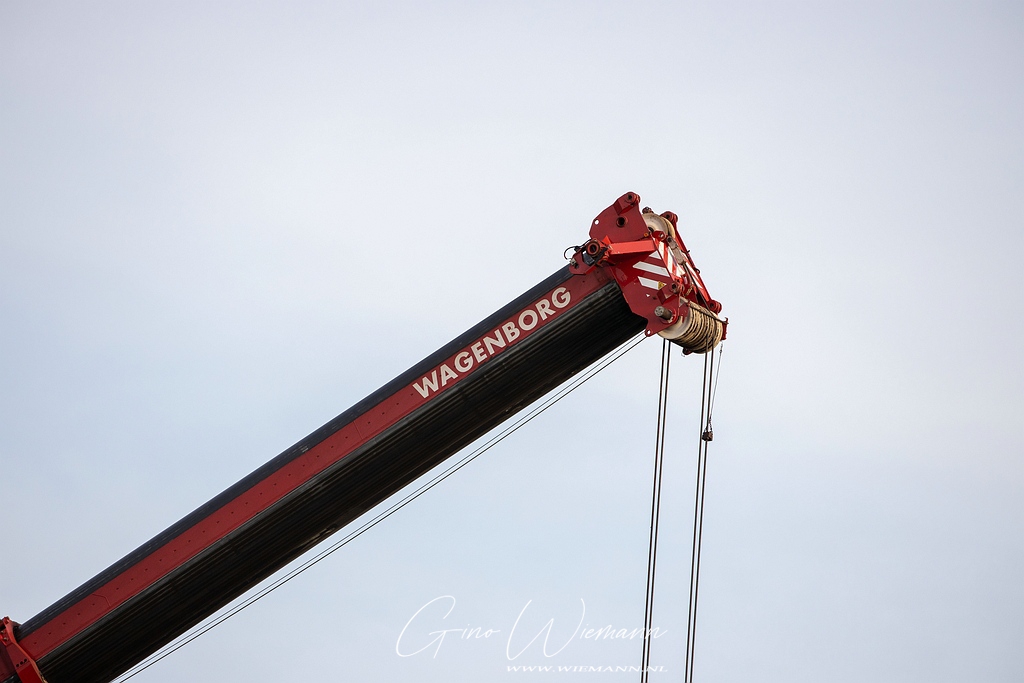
x: 552, y: 399
x: 652, y: 548
x: 709, y: 387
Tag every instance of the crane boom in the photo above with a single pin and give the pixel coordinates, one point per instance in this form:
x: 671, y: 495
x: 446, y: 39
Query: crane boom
x: 634, y: 275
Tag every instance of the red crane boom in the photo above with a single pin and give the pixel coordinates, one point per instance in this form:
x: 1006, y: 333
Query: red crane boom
x: 633, y: 275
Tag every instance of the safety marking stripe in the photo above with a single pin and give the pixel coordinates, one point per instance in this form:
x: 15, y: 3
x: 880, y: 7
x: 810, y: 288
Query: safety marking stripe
x: 666, y: 256
x: 651, y: 268
x: 650, y: 284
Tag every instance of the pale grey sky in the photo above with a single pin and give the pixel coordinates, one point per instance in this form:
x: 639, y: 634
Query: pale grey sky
x: 208, y: 212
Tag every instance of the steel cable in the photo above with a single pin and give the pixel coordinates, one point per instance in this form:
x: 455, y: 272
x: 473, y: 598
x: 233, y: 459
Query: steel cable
x: 652, y: 548
x: 557, y: 396
x: 709, y: 386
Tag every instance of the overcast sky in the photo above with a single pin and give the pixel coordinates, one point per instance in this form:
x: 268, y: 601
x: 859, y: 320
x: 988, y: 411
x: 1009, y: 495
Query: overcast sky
x: 221, y: 224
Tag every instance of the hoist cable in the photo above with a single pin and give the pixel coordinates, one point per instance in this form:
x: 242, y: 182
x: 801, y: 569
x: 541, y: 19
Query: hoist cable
x: 554, y: 398
x: 652, y: 548
x: 703, y: 465
x: 696, y: 508
x: 718, y: 374
x: 709, y: 385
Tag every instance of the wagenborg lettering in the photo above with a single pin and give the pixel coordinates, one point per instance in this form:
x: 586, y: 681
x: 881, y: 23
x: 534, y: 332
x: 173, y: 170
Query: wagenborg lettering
x: 491, y: 343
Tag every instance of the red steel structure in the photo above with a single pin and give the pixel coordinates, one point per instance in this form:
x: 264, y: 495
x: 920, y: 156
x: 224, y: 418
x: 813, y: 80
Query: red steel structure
x: 633, y: 275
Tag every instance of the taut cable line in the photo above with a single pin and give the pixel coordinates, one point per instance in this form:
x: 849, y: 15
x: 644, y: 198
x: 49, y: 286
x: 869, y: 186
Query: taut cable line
x: 546, y: 403
x: 652, y: 548
x: 709, y: 387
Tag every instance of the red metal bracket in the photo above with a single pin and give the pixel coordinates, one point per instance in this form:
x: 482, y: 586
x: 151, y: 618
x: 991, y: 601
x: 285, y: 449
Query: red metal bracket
x: 621, y: 249
x: 24, y: 665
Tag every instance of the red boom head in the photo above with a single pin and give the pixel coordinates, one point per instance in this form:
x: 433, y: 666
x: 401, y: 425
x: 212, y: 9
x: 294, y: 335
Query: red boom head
x: 653, y: 268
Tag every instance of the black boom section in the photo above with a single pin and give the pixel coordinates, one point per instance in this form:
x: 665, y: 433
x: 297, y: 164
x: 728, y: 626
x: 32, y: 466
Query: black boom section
x: 434, y: 432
